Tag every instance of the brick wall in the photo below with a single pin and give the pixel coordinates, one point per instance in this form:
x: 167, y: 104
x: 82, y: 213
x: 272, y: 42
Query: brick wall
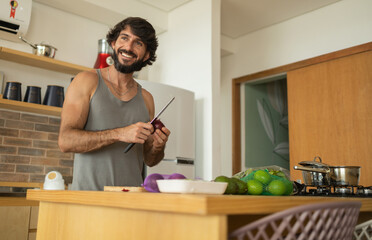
x: 29, y: 149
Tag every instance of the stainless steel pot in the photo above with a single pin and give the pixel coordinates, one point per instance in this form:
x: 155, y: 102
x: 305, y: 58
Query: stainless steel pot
x: 344, y: 175
x: 41, y: 49
x: 320, y: 174
x: 314, y: 176
x: 315, y: 173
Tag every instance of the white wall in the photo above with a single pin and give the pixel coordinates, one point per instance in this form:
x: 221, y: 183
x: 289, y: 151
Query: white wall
x: 341, y: 25
x: 188, y: 57
x: 76, y: 39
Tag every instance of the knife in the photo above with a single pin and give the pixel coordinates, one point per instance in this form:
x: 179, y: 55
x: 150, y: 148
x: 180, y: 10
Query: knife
x: 156, y: 117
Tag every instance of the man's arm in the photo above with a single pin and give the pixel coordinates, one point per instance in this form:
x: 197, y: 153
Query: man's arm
x: 73, y: 137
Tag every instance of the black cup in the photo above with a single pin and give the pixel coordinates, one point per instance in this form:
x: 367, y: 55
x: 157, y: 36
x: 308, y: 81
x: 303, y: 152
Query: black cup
x: 33, y: 95
x: 13, y: 91
x: 54, y: 96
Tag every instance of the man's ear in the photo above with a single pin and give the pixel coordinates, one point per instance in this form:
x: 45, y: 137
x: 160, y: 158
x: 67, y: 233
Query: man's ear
x: 147, y: 56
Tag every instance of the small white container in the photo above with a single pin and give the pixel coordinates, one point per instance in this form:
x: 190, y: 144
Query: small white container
x: 54, y: 181
x: 190, y: 186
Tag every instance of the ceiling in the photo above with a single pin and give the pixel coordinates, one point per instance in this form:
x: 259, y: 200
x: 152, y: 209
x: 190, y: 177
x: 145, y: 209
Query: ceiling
x: 238, y: 17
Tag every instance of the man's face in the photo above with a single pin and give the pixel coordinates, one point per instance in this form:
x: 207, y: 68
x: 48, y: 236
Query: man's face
x: 129, y: 52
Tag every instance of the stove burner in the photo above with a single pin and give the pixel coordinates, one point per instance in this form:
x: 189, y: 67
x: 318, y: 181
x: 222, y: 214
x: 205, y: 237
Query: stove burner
x: 366, y: 191
x: 343, y: 190
x: 318, y: 191
x: 334, y: 191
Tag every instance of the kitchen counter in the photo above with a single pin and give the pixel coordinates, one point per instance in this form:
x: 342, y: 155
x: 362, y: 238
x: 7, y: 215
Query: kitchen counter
x: 110, y: 215
x: 10, y: 198
x: 17, y: 201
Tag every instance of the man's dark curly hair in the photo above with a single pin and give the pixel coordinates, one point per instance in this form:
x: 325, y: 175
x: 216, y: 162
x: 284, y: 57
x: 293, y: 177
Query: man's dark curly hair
x: 141, y: 28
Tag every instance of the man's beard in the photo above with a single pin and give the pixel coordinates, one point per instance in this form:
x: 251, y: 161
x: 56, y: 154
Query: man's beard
x: 135, y: 67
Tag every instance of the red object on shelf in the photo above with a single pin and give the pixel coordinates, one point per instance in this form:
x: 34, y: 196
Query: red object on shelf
x: 101, y: 60
x: 104, y: 55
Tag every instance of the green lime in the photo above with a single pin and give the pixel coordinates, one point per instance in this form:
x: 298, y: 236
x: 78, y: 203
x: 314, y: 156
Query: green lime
x: 277, y: 187
x: 262, y: 176
x: 289, y: 185
x: 221, y: 179
x: 242, y: 186
x: 232, y: 187
x: 281, y: 174
x: 254, y: 187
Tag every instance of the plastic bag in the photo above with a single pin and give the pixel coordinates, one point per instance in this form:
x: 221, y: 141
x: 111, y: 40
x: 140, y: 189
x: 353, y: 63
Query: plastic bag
x: 262, y: 182
x: 273, y: 169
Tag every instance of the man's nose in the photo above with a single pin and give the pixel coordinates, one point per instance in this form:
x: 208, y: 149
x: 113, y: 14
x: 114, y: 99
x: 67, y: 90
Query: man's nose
x: 129, y: 46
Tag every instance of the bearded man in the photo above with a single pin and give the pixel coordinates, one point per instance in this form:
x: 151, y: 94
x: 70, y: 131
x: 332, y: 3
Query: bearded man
x: 105, y: 110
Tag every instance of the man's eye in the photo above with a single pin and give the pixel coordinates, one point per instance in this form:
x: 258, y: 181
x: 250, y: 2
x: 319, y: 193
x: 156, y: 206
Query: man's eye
x: 140, y: 44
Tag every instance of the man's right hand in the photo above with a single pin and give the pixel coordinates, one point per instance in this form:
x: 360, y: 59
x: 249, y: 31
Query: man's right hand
x: 136, y: 133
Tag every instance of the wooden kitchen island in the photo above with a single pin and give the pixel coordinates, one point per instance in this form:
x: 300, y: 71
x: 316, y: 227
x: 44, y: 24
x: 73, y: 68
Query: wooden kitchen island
x: 139, y: 216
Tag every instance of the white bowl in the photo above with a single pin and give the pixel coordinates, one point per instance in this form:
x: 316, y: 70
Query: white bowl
x: 190, y: 186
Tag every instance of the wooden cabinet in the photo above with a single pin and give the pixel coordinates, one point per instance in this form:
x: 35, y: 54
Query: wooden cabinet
x: 145, y: 215
x: 14, y: 222
x: 18, y: 222
x: 18, y: 216
x: 330, y: 113
x: 32, y: 228
x: 40, y: 62
x: 329, y: 109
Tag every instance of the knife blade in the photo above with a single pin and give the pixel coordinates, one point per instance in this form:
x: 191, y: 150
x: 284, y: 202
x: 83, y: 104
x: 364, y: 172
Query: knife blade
x: 156, y: 117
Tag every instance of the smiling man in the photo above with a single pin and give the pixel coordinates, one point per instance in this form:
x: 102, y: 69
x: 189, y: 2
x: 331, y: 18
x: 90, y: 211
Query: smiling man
x: 105, y: 110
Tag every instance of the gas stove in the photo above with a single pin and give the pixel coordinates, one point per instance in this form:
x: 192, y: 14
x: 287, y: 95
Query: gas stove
x: 333, y: 191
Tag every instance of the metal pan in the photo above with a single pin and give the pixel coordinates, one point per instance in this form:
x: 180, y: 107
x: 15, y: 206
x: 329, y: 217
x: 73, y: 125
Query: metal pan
x: 344, y: 175
x: 41, y: 49
x: 315, y: 176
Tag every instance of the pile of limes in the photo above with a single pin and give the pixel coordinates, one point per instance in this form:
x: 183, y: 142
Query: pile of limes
x: 259, y: 182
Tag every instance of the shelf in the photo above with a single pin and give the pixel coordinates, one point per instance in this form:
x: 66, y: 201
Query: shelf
x: 40, y: 61
x: 29, y: 107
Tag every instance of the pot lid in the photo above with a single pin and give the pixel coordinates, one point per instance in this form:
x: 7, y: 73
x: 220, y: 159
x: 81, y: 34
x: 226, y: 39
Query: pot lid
x: 314, y: 163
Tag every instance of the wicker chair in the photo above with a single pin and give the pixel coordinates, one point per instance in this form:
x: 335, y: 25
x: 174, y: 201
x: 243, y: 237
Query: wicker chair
x: 320, y: 221
x: 363, y: 231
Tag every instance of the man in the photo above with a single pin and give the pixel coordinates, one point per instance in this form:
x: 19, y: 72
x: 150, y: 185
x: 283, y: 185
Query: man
x: 105, y: 110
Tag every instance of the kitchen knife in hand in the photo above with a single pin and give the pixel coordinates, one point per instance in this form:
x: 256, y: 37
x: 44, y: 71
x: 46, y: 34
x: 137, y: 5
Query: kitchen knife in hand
x: 156, y: 117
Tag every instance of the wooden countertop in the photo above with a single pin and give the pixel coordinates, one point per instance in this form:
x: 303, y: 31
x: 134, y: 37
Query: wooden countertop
x: 186, y: 203
x: 17, y: 201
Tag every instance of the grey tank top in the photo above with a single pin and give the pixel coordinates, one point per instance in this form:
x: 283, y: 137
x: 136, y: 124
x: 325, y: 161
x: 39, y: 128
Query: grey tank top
x: 110, y: 166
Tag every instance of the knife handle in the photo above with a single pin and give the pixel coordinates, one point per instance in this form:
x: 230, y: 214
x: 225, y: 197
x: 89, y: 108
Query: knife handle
x: 128, y: 147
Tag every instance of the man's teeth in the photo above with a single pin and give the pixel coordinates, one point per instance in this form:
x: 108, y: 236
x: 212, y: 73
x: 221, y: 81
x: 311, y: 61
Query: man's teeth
x: 126, y: 55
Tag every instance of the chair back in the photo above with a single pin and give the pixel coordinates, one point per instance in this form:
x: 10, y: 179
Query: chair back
x: 319, y: 221
x: 363, y: 231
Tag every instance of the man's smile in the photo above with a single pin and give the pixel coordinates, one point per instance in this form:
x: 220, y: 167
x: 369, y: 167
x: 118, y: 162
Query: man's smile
x: 128, y: 55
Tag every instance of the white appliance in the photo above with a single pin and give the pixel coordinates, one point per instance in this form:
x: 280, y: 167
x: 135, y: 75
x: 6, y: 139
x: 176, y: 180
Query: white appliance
x: 14, y: 18
x: 179, y: 118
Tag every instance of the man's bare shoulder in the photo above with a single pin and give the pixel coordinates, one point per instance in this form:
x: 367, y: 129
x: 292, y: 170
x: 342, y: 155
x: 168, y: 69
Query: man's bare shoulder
x: 86, y: 75
x: 86, y: 79
x: 84, y: 83
x: 147, y: 95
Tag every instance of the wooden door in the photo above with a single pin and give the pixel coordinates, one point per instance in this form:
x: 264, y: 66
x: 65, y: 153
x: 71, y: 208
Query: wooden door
x: 14, y: 221
x: 330, y: 114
